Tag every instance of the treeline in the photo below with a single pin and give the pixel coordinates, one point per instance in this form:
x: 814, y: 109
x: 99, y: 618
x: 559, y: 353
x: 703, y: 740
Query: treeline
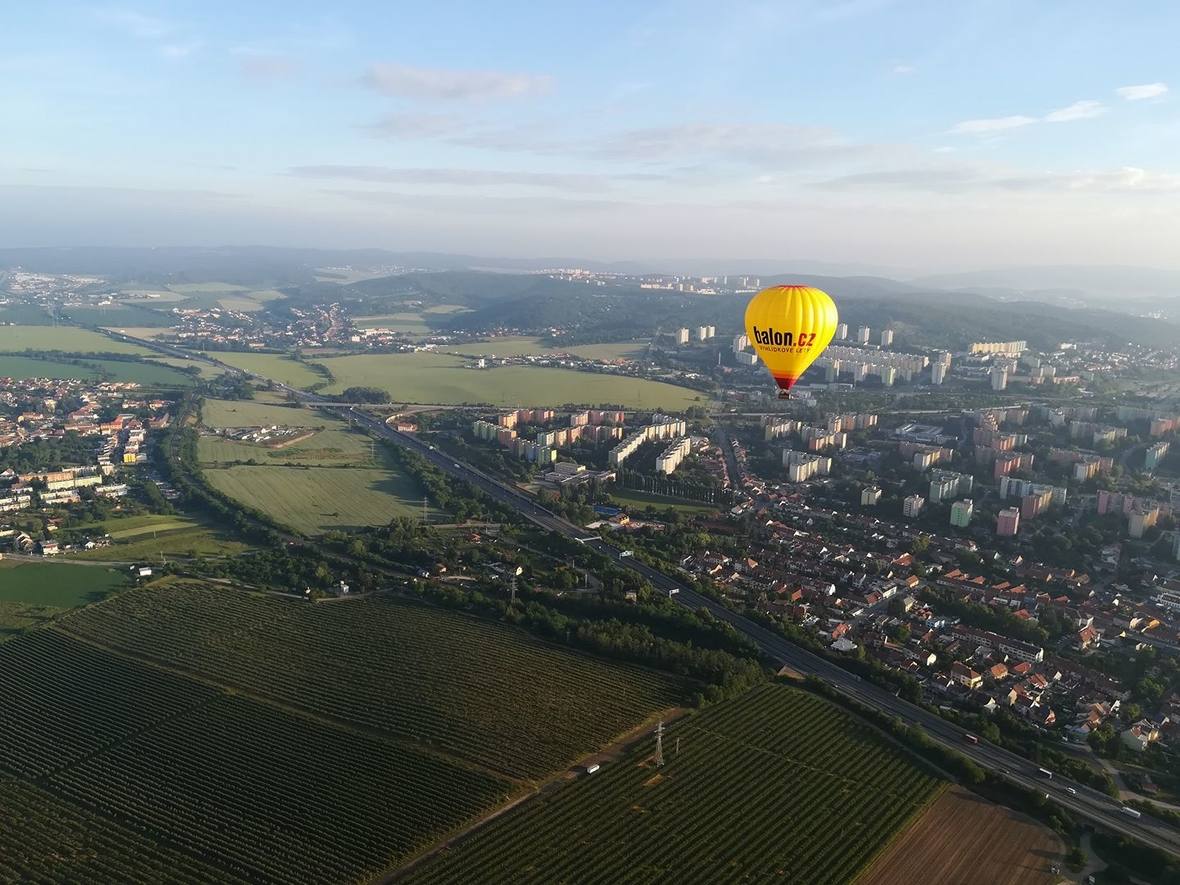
x: 445, y: 492
x: 40, y: 455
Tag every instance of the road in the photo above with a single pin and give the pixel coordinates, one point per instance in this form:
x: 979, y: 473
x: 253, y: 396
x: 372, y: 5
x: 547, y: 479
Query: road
x: 1085, y: 803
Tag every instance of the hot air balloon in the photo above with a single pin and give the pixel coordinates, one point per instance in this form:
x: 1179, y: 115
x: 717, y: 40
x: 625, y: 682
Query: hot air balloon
x: 790, y: 326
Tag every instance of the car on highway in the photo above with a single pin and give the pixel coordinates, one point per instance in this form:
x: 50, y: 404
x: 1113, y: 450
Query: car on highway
x: 1071, y: 791
x: 626, y: 553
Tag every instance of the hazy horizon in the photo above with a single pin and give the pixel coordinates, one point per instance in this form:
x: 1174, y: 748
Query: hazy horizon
x: 916, y: 137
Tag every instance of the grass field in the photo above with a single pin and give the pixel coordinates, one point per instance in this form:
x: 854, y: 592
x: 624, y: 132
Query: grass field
x: 149, y: 374
x: 529, y: 346
x: 506, y: 346
x: 32, y: 593
x: 151, y: 537
x: 320, y: 499
x: 206, y: 370
x: 273, y: 365
x: 409, y: 322
x: 70, y: 339
x: 777, y: 785
x: 335, y: 446
x: 202, y: 288
x: 635, y: 500
x: 965, y: 839
x: 146, y: 373
x: 615, y: 351
x: 251, y: 301
x: 472, y: 689
x: 248, y: 413
x: 443, y: 378
x: 148, y: 332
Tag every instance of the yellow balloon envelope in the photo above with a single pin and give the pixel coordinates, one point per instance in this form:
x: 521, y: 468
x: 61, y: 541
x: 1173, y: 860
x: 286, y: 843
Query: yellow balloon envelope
x: 789, y: 327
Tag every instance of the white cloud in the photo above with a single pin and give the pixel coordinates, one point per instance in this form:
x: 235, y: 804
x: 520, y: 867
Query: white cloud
x: 419, y: 126
x: 992, y: 124
x: 1142, y: 91
x: 902, y: 70
x: 405, y: 81
x: 1079, y: 110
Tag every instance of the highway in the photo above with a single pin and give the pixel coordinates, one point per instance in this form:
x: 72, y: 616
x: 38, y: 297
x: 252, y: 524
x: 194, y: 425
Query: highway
x: 1085, y: 803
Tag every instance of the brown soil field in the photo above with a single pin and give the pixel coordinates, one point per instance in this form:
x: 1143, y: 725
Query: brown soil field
x: 963, y: 839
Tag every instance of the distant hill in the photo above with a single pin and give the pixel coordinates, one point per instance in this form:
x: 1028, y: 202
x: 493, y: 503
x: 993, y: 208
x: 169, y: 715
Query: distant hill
x: 1100, y: 284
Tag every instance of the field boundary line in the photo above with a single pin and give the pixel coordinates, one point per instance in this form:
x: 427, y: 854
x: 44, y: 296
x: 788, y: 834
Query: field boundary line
x: 228, y: 689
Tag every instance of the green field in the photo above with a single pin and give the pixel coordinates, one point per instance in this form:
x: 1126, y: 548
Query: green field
x: 206, y: 370
x: 467, y: 687
x: 152, y: 537
x: 147, y: 332
x: 272, y: 365
x: 531, y: 346
x: 146, y: 373
x: 411, y: 323
x: 635, y: 500
x: 248, y: 413
x: 506, y: 346
x: 607, y: 352
x: 32, y: 593
x: 443, y: 378
x: 336, y: 445
x: 203, y: 288
x: 70, y: 339
x: 249, y: 302
x: 777, y: 785
x: 236, y: 788
x: 320, y: 499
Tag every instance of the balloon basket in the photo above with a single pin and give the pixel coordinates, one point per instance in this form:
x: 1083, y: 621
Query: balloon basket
x: 784, y: 394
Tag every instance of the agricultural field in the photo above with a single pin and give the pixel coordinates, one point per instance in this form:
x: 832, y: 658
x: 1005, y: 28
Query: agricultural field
x: 473, y: 689
x: 43, y: 839
x: 335, y: 445
x: 32, y: 593
x: 447, y: 379
x: 30, y: 367
x: 409, y: 322
x: 205, y: 370
x: 275, y: 797
x: 149, y: 373
x: 151, y: 538
x: 777, y: 785
x: 64, y: 700
x: 622, y: 350
x: 146, y: 373
x: 506, y: 346
x: 531, y: 346
x: 218, y: 413
x: 237, y: 789
x: 963, y: 838
x: 320, y: 499
x: 69, y: 339
x: 273, y: 365
x: 148, y: 332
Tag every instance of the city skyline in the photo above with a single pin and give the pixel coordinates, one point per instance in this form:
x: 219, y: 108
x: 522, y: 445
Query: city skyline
x: 872, y: 133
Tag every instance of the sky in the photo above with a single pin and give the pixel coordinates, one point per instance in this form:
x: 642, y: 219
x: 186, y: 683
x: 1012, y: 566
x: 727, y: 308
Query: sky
x: 925, y: 136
